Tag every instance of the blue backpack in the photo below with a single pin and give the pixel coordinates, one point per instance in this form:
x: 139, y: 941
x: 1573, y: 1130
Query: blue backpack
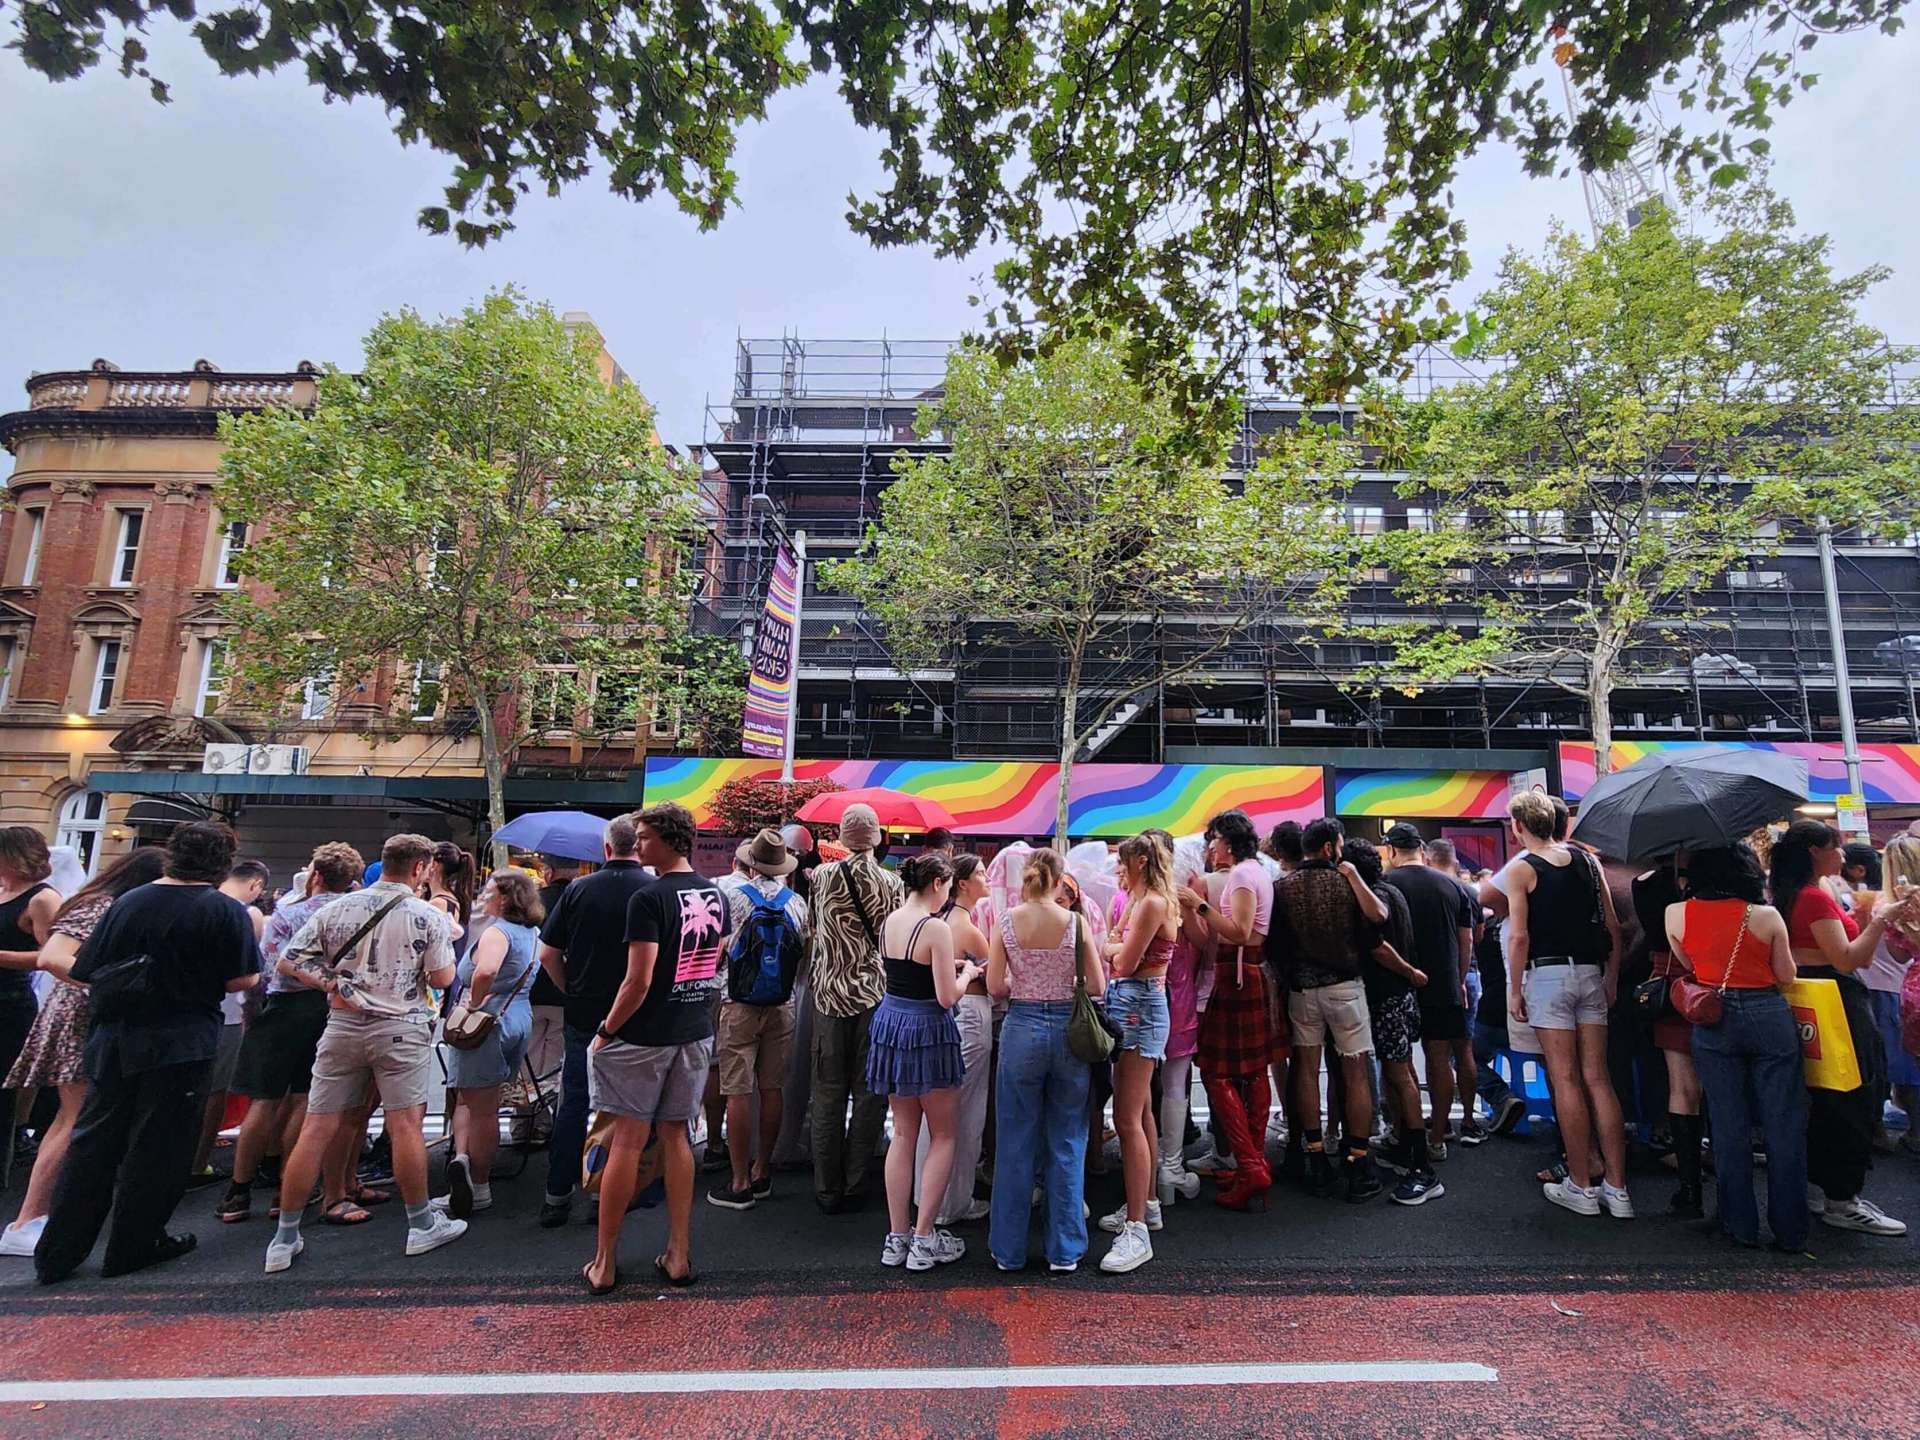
x: 764, y: 960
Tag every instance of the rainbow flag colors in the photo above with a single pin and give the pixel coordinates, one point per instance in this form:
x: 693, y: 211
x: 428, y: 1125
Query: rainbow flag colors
x: 1018, y: 797
x: 1415, y: 794
x: 1890, y: 774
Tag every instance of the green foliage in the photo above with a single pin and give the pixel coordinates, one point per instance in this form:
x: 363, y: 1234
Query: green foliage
x: 477, y: 498
x: 1657, y: 406
x: 1251, y: 176
x: 1078, y: 510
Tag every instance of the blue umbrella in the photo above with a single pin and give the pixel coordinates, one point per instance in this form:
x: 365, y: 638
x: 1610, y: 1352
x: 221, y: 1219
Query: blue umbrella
x: 571, y: 833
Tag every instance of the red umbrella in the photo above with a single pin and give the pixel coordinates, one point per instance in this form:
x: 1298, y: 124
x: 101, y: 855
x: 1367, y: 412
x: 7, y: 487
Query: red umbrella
x: 895, y: 808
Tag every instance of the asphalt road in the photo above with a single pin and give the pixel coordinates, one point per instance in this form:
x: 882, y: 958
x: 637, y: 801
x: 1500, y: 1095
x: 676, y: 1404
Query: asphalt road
x: 1329, y: 1319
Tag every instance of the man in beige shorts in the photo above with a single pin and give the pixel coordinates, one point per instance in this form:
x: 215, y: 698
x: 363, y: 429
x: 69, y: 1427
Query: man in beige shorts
x: 378, y: 953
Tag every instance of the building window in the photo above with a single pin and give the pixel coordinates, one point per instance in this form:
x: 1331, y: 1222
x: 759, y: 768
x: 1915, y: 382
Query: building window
x: 36, y: 523
x: 316, y: 695
x: 83, y: 820
x: 211, y: 692
x: 233, y: 543
x: 8, y: 650
x: 126, y: 547
x: 106, y: 676
x: 616, y: 700
x: 1365, y: 519
x: 552, y: 694
x: 426, y: 689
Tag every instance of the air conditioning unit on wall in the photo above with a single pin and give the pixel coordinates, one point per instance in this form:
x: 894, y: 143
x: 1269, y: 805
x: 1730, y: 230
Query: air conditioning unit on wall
x: 254, y: 760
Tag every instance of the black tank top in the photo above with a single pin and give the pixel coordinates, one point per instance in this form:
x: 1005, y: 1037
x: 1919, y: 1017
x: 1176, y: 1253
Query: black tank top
x: 1563, y: 909
x: 907, y: 978
x: 14, y: 935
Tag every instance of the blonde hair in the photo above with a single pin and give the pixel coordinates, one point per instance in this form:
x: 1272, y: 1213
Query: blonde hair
x: 1903, y: 860
x: 1157, y: 872
x: 1533, y: 812
x: 1041, y: 876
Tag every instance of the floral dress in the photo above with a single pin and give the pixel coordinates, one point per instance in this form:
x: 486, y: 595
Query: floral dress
x: 53, y: 1052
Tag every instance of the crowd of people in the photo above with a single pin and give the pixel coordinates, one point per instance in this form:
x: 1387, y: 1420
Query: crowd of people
x: 978, y: 1022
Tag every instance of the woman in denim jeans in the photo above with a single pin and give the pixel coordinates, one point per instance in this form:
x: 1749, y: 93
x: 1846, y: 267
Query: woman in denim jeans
x: 1043, y: 1089
x: 1726, y: 937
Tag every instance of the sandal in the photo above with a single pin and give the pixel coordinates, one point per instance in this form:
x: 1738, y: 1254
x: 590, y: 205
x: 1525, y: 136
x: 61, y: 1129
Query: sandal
x: 367, y: 1194
x: 345, y: 1212
x: 677, y: 1281
x: 586, y: 1274
x: 319, y: 1194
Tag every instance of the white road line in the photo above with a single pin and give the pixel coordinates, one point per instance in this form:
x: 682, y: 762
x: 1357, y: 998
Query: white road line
x: 700, y: 1382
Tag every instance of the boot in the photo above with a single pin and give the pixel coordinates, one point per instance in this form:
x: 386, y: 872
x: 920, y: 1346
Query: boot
x: 1251, y: 1175
x: 1293, y: 1164
x: 1321, y: 1179
x: 1687, y: 1200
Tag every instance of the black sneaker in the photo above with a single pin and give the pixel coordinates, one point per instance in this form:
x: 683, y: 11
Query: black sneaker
x: 728, y: 1198
x: 1363, y: 1182
x: 1512, y: 1110
x: 762, y: 1188
x: 716, y: 1157
x: 171, y: 1247
x: 555, y: 1211
x: 1395, y: 1156
x: 1417, y: 1189
x: 459, y: 1188
x: 1320, y: 1177
x: 1473, y: 1133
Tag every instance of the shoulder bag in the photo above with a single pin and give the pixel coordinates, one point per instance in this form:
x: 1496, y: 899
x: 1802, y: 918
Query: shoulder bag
x: 468, y: 1026
x: 124, y: 988
x: 1089, y: 1038
x: 1699, y: 1004
x: 332, y: 964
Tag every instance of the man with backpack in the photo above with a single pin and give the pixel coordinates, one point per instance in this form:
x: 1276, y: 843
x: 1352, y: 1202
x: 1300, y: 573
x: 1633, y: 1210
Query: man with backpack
x: 754, y: 1040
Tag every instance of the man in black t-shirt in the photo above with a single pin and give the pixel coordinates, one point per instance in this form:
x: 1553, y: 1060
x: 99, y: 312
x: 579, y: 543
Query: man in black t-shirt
x: 1444, y: 919
x: 650, y: 1054
x: 583, y: 957
x: 149, y: 1065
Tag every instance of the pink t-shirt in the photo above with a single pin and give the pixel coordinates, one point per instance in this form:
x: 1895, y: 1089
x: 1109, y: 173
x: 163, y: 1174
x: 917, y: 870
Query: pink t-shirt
x: 1250, y: 874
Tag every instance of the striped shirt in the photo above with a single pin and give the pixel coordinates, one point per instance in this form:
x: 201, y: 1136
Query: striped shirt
x: 852, y: 899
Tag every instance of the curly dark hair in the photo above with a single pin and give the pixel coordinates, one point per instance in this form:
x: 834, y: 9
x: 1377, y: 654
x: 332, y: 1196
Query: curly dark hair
x: 672, y: 823
x: 1233, y: 826
x: 200, y: 852
x: 1365, y: 858
x: 925, y: 870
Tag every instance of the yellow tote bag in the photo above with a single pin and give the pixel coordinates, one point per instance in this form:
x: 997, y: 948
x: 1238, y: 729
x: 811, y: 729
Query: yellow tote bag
x: 1826, y: 1044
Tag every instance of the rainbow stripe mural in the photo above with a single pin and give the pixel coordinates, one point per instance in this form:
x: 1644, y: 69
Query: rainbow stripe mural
x: 1017, y: 797
x: 1890, y: 774
x: 1416, y: 794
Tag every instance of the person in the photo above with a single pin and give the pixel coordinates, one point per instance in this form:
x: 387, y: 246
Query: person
x: 940, y: 841
x: 1860, y: 867
x: 1284, y: 845
x: 275, y: 1067
x: 1324, y: 916
x: 1042, y: 1088
x: 493, y: 976
x: 1505, y: 1110
x: 147, y: 1056
x: 1563, y: 967
x: 794, y: 1149
x: 913, y: 1058
x: 1655, y: 891
x: 716, y: 1152
x: 1444, y: 859
x: 547, y: 1048
x: 1725, y: 935
x: 583, y: 951
x: 852, y: 899
x: 1137, y: 956
x: 973, y: 1015
x: 1444, y: 918
x: 753, y: 1042
x: 27, y: 907
x: 649, y: 1057
x: 1391, y: 980
x: 1884, y: 979
x: 1192, y: 950
x: 1829, y: 944
x: 53, y: 1057
x: 1237, y: 1041
x: 246, y: 882
x: 449, y: 889
x: 378, y: 953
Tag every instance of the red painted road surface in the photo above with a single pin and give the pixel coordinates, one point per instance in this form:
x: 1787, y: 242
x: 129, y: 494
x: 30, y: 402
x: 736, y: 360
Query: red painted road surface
x: 1797, y: 1357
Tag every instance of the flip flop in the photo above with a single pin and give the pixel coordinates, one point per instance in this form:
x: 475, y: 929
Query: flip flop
x: 679, y: 1282
x: 593, y: 1289
x: 345, y: 1212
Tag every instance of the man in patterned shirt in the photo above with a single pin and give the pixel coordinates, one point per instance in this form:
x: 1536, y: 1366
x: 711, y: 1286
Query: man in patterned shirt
x: 379, y: 954
x: 852, y: 899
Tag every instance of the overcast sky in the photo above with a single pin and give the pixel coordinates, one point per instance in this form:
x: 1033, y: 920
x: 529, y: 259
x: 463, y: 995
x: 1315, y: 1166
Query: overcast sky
x: 252, y: 224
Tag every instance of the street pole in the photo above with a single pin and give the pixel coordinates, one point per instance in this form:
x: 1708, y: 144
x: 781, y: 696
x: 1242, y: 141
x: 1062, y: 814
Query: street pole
x: 1849, y: 737
x: 799, y: 538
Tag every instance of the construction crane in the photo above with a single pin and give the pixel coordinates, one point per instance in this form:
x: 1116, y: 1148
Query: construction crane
x: 1622, y: 193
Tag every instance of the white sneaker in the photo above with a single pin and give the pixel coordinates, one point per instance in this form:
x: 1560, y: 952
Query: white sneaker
x: 940, y: 1248
x: 20, y: 1239
x: 1131, y: 1249
x: 1180, y: 1180
x: 1061, y: 1267
x: 976, y: 1210
x: 444, y: 1203
x: 1116, y: 1222
x: 1617, y: 1202
x: 444, y: 1231
x: 894, y: 1252
x: 1213, y: 1163
x: 1580, y: 1199
x: 280, y: 1253
x: 1862, y: 1215
x: 1816, y: 1200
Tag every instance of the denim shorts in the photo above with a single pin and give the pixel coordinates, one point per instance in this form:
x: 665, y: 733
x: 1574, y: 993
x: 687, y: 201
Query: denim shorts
x: 1138, y: 1010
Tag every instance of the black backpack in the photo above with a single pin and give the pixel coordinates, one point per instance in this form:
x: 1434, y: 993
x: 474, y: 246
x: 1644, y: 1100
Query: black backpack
x: 764, y: 960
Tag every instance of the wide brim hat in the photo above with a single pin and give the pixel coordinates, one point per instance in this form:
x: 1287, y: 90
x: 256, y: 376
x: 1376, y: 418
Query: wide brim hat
x: 767, y: 854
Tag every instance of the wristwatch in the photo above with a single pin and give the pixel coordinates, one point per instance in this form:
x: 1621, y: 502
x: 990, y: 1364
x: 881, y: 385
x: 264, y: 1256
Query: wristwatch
x: 602, y: 1031
x: 1203, y: 907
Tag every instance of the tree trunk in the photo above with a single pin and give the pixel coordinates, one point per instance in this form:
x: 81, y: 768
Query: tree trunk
x: 1600, y: 707
x: 1069, y: 745
x: 496, y: 768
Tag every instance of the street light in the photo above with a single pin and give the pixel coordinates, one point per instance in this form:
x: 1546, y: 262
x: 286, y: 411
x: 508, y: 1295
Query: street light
x: 762, y: 503
x: 1837, y: 637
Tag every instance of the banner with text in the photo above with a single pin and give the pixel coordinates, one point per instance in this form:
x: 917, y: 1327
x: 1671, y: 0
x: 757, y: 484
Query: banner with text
x: 776, y: 655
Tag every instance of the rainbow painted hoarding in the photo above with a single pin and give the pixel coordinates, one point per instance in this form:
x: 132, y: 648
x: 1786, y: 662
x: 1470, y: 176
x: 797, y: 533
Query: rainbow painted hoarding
x: 1889, y: 774
x: 1422, y: 794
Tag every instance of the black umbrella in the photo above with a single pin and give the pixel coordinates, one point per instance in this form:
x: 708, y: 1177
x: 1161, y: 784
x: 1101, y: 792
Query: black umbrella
x: 1689, y: 800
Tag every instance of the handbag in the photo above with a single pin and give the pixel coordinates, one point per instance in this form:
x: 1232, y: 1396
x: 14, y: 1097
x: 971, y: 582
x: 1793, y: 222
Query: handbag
x: 1089, y: 1038
x: 1651, y: 999
x: 467, y: 1027
x: 1699, y: 1004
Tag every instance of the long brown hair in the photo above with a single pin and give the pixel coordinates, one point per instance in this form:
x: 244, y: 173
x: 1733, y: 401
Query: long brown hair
x: 456, y: 868
x: 1157, y: 872
x: 129, y: 872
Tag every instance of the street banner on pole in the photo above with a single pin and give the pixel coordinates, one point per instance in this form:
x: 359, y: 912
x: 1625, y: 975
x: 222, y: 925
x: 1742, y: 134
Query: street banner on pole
x: 776, y: 641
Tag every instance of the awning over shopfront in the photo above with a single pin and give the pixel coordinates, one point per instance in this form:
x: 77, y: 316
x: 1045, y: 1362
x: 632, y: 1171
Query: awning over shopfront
x: 466, y: 792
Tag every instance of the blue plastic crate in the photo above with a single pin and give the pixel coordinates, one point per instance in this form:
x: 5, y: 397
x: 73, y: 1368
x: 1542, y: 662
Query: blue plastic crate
x: 1526, y: 1076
